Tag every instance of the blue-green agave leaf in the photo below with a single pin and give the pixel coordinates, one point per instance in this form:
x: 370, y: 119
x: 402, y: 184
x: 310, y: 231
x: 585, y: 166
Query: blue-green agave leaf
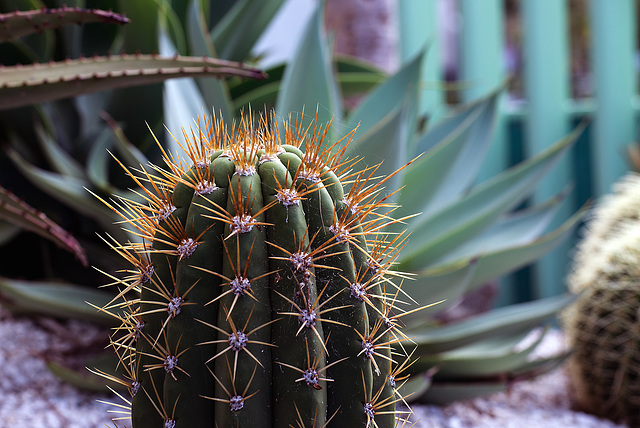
x: 445, y: 285
x: 8, y: 231
x: 308, y: 81
x: 511, y: 230
x: 449, y: 391
x: 57, y: 157
x: 68, y: 190
x: 384, y: 144
x: 88, y: 380
x: 511, y: 319
x: 240, y: 28
x: 399, y: 89
x: 99, y: 160
x: 128, y: 153
x: 433, y: 236
x: 443, y: 393
x: 494, y: 264
x: 214, y: 92
x: 450, y: 166
x: 486, y: 358
x: 57, y: 299
x: 182, y: 102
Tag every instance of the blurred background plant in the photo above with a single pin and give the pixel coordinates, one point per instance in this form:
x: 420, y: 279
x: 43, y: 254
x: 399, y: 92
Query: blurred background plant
x: 602, y: 325
x: 466, y: 235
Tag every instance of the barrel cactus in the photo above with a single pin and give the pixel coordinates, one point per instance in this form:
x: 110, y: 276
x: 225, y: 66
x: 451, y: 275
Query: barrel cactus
x: 260, y: 292
x: 603, y: 324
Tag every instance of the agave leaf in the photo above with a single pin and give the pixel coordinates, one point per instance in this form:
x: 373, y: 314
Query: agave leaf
x: 446, y: 126
x: 56, y: 300
x: 182, y: 102
x: 98, y: 161
x: 356, y: 76
x: 8, y: 231
x: 240, y: 28
x: 486, y: 358
x: 127, y: 152
x: 506, y: 320
x: 138, y: 105
x: 19, y: 213
x: 443, y: 393
x: 417, y: 385
x: 539, y: 366
x: 214, y: 92
x: 431, y: 169
x: 445, y: 285
x: 493, y: 264
x: 59, y: 159
x: 87, y: 380
x: 451, y: 164
x: 399, y: 89
x: 311, y: 63
x: 393, y: 127
x: 386, y: 119
x: 510, y: 231
x: 22, y: 23
x: 451, y: 280
x: 452, y: 226
x: 351, y: 79
x: 170, y: 24
x: 68, y: 190
x: 448, y: 392
x: 36, y: 83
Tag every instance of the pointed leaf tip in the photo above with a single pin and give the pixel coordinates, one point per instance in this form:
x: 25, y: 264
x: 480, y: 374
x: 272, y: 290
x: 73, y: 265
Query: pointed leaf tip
x: 37, y: 83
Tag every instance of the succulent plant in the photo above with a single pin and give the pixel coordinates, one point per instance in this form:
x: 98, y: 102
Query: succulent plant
x: 622, y: 206
x: 602, y: 325
x: 466, y: 235
x: 262, y: 288
x: 52, y: 152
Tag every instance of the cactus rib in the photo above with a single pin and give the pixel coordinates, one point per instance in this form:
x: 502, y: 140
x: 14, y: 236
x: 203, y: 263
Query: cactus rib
x: 269, y: 296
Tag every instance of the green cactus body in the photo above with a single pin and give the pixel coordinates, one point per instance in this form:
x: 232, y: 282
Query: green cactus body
x: 265, y: 305
x: 603, y: 326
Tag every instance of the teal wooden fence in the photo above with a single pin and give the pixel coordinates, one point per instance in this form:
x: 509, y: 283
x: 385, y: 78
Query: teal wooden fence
x: 548, y: 112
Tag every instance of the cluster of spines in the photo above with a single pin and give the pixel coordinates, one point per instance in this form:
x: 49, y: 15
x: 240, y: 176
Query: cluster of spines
x: 326, y: 278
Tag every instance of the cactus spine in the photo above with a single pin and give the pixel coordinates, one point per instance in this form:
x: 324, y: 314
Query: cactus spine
x: 260, y: 292
x: 603, y: 326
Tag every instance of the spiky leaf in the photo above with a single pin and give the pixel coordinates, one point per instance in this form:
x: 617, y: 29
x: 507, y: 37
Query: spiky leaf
x: 31, y: 84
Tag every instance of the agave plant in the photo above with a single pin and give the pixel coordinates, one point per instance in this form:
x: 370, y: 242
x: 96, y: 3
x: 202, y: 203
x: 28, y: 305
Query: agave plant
x: 54, y: 151
x: 464, y: 235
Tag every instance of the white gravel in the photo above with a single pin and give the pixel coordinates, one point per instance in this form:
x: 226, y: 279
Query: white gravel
x: 32, y: 397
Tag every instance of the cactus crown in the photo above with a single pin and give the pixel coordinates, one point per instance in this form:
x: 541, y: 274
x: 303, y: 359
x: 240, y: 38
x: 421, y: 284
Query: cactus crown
x: 260, y: 290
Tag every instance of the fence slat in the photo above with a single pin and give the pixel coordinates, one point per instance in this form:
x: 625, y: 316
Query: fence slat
x: 418, y: 26
x: 546, y: 79
x: 613, y: 42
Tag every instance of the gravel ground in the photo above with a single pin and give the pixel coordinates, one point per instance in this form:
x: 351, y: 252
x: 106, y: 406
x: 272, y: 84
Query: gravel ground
x: 33, y: 398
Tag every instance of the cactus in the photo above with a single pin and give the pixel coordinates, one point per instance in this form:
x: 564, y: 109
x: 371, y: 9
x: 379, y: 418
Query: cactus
x: 261, y: 291
x: 603, y: 324
x: 612, y: 210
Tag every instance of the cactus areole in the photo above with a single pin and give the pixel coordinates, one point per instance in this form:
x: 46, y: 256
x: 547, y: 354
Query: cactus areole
x: 260, y: 293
